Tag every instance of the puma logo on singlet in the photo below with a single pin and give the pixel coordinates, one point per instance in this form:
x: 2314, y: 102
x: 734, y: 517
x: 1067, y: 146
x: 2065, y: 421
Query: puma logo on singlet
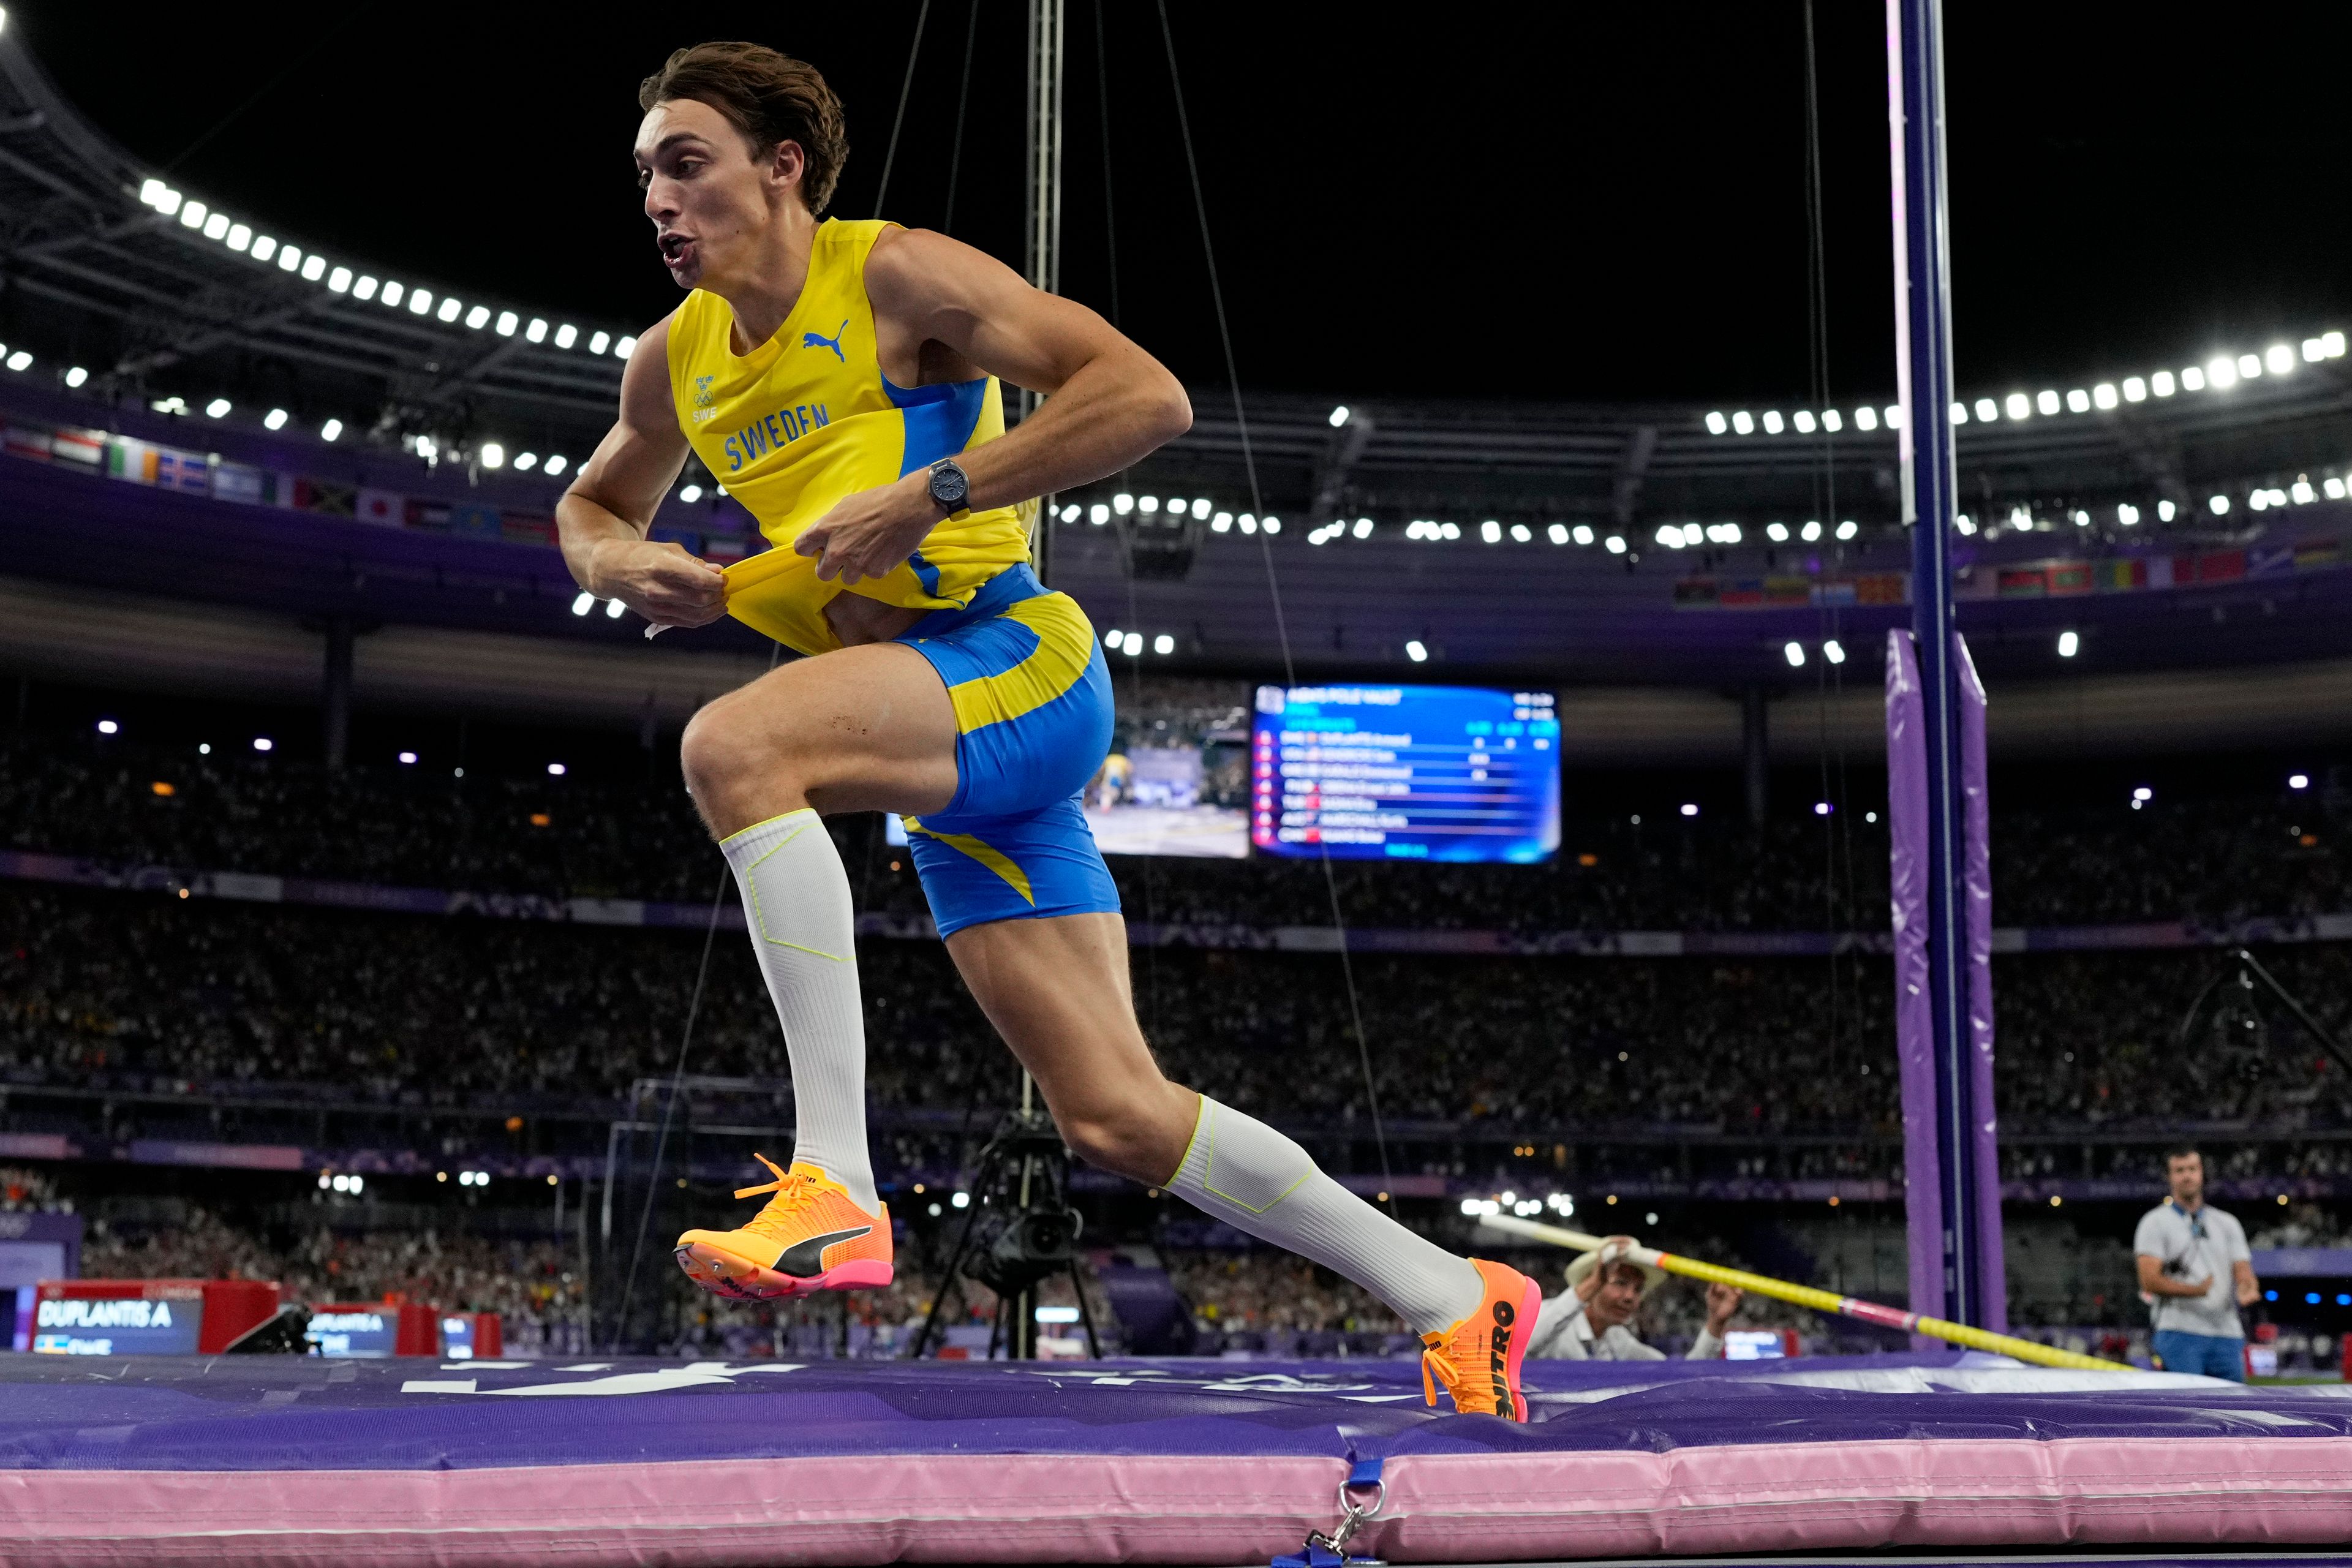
x: 819, y: 340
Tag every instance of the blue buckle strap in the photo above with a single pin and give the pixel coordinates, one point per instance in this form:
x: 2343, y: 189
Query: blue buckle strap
x: 1322, y: 1551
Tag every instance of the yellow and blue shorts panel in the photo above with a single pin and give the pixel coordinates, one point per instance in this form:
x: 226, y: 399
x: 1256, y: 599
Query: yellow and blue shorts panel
x: 1032, y: 707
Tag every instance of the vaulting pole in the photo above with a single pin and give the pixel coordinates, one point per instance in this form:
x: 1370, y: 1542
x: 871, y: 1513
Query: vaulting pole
x: 1923, y: 338
x: 1041, y: 249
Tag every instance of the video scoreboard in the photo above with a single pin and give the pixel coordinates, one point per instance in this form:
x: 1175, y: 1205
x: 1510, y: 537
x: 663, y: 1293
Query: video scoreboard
x: 1406, y: 772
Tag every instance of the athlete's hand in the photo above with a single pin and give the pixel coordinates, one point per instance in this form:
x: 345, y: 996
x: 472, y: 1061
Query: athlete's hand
x: 871, y: 533
x: 663, y: 583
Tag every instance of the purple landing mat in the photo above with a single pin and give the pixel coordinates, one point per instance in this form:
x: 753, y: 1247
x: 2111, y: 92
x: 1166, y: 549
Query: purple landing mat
x: 295, y: 1460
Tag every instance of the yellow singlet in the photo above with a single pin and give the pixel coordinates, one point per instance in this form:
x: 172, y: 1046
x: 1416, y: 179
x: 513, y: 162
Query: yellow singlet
x: 808, y: 417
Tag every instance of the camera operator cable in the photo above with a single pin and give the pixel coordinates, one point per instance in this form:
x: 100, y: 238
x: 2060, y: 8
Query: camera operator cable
x: 2194, y: 1265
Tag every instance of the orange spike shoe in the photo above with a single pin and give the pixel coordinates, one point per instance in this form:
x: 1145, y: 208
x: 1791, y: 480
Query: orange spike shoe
x: 810, y: 1237
x: 1478, y: 1358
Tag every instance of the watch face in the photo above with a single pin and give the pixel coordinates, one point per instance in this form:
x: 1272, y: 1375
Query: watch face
x: 948, y: 487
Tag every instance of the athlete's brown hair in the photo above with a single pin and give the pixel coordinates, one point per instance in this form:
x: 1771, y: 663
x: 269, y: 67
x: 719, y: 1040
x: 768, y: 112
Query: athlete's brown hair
x: 770, y: 96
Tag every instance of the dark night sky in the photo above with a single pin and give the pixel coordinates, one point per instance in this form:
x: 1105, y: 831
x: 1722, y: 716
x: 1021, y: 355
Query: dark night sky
x: 1555, y: 202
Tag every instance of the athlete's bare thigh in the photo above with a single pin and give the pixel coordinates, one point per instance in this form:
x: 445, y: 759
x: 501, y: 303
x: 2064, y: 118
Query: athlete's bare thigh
x: 862, y: 729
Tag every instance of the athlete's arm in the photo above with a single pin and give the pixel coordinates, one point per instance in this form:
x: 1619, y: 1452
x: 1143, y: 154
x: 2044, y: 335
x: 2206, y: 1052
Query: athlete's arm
x: 603, y: 518
x: 1110, y: 403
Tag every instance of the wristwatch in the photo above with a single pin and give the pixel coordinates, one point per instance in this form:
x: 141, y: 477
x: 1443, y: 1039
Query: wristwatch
x: 950, y: 491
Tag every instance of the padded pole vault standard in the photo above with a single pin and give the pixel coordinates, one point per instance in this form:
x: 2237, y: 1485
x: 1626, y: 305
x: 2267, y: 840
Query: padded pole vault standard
x: 1918, y: 1323
x: 1923, y: 365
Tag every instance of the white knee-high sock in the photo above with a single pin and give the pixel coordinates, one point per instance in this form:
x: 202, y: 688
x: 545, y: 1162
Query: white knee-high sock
x: 1256, y: 1180
x: 804, y: 927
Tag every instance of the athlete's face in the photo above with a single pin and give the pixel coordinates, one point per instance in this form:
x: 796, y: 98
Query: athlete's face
x: 710, y: 201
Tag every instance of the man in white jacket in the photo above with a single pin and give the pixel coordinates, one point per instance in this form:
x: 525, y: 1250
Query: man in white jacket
x: 1588, y: 1321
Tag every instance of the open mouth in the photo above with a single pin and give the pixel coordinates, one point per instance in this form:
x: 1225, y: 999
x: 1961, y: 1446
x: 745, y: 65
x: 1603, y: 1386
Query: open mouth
x: 675, y: 247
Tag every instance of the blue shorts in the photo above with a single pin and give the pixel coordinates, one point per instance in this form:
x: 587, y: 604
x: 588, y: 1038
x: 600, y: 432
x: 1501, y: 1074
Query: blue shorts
x: 1032, y: 707
x: 2211, y: 1355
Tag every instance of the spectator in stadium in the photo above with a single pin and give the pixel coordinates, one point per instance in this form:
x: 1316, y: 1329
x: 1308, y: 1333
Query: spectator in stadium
x: 2194, y: 1265
x: 1590, y: 1320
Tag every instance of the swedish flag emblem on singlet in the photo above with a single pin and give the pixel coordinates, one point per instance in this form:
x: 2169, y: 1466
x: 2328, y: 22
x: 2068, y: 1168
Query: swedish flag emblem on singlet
x: 808, y: 417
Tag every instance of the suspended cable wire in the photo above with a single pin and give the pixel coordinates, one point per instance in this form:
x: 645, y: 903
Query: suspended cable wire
x: 906, y: 88
x: 1273, y: 585
x: 963, y: 97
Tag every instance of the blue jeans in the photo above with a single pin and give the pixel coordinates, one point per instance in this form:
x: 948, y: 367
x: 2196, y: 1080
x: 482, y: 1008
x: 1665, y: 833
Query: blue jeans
x: 2209, y: 1355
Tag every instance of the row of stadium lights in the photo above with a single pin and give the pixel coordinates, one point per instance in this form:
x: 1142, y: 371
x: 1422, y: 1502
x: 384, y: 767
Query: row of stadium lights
x: 264, y: 743
x: 2218, y: 375
x: 1124, y: 504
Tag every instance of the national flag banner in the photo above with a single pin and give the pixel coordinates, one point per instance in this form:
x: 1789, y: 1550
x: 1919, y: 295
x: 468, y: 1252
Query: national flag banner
x: 2312, y: 554
x: 2069, y: 578
x: 129, y: 458
x: 2161, y: 571
x: 387, y: 508
x: 516, y: 529
x: 1973, y: 581
x: 1691, y: 593
x: 1883, y: 588
x: 1740, y: 594
x: 176, y: 471
x: 2024, y: 582
x: 26, y: 441
x: 235, y: 482
x: 431, y: 516
x: 87, y: 448
x: 326, y: 499
x: 2222, y: 566
x: 2120, y: 574
x: 475, y: 521
x: 2269, y: 559
x: 719, y: 548
x: 1785, y: 590
x: 1837, y: 591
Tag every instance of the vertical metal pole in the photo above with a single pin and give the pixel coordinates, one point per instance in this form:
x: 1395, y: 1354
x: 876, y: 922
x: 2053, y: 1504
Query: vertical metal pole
x: 1923, y: 341
x: 1756, y: 751
x: 1042, y: 250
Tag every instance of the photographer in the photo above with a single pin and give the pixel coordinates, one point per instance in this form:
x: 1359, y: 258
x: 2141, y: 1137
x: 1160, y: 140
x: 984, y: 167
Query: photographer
x: 1590, y: 1320
x: 2194, y: 1264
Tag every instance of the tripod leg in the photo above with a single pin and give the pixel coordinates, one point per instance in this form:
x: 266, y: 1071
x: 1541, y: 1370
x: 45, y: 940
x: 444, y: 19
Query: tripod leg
x: 951, y: 1277
x: 1086, y: 1313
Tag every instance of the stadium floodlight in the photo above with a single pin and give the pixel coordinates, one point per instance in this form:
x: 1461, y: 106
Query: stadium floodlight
x: 1803, y: 420
x: 2077, y: 401
x: 537, y: 331
x: 1339, y: 416
x: 2082, y: 519
x: 1670, y: 535
x: 450, y: 308
x: 1098, y: 514
x: 2331, y: 345
x: 1491, y: 531
x: 393, y: 293
x: 1716, y: 424
x: 1965, y: 523
x: 1164, y: 644
x: 216, y: 227
x: 625, y: 348
x: 1582, y: 533
x: 692, y: 493
x: 2162, y: 384
x: 1959, y: 412
x: 2278, y: 359
x: 1222, y: 522
x: 1363, y: 528
x: 1615, y: 544
x: 2221, y: 372
x: 1557, y: 534
x: 2126, y: 515
x: 1690, y: 808
x: 192, y: 216
x: 1202, y: 508
x: 2303, y: 493
x: 477, y: 318
x: 1123, y: 504
x: 1865, y: 419
x: 2164, y: 510
x: 2104, y: 395
x: 2298, y: 781
x: 264, y: 248
x: 1113, y: 639
x: 2313, y: 352
x: 2332, y: 488
x: 2249, y: 366
x: 1822, y: 809
x: 597, y: 341
x: 108, y: 727
x: 290, y: 256
x: 2069, y: 644
x: 240, y: 238
x: 1270, y: 523
x: 1892, y: 415
x: 339, y: 281
x: 1795, y: 654
x: 76, y: 375
x: 556, y: 463
x: 1132, y: 646
x: 264, y: 743
x: 493, y: 456
x: 216, y: 407
x: 508, y: 322
x: 1744, y: 422
x: 364, y: 289
x: 408, y: 759
x: 2045, y: 401
x: 2142, y: 794
x: 1987, y: 410
x: 420, y: 301
x: 566, y: 335
x: 1848, y: 528
x: 166, y: 200
x: 1224, y: 519
x: 274, y: 419
x: 526, y: 461
x: 1772, y: 422
x: 151, y: 192
x: 330, y: 430
x: 1832, y: 421
x: 1777, y: 533
x: 1810, y: 532
x: 312, y: 268
x: 2218, y: 505
x: 2135, y: 389
x: 1519, y: 534
x: 1833, y: 650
